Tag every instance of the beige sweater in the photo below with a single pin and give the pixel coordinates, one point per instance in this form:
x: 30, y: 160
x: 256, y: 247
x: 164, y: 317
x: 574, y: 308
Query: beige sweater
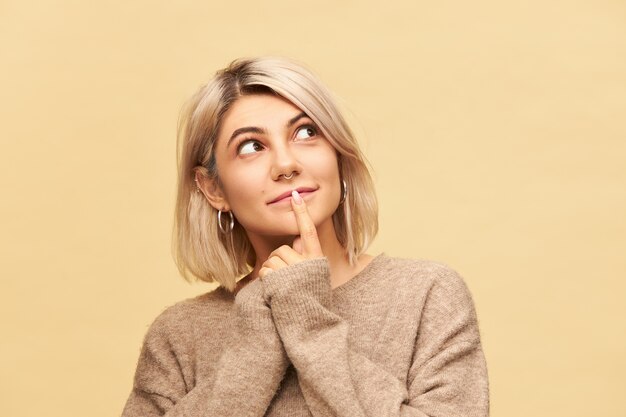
x: 400, y: 338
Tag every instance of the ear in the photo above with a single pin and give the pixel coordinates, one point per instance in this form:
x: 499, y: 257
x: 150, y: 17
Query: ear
x: 212, y: 191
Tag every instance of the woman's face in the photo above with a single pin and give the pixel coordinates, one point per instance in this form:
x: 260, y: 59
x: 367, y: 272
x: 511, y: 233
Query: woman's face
x: 264, y: 138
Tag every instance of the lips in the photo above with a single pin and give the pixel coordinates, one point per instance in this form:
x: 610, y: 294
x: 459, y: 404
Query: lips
x: 287, y: 194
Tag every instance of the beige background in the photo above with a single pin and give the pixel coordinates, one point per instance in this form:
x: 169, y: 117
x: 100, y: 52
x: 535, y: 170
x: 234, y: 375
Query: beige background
x: 496, y: 131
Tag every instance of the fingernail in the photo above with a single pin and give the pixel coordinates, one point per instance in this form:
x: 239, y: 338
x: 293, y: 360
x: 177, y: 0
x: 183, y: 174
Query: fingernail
x: 296, y: 197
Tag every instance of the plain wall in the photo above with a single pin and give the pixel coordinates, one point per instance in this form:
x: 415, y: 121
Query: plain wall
x: 496, y: 132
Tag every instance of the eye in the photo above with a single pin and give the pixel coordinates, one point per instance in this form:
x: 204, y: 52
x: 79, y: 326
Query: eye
x: 248, y: 147
x: 306, y: 132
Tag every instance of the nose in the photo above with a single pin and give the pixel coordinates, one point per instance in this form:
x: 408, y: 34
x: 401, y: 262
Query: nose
x: 284, y: 163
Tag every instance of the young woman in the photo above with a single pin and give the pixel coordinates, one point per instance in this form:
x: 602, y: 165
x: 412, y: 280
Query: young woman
x: 274, y: 190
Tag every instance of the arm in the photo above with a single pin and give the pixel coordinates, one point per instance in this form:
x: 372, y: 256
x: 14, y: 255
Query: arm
x: 247, y: 375
x: 447, y: 376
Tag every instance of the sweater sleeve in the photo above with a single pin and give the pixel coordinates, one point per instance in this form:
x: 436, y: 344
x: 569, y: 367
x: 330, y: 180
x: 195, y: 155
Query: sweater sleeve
x: 253, y: 362
x: 447, y: 376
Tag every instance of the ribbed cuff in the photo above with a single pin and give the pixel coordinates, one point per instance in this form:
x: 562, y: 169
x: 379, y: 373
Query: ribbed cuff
x: 297, y: 292
x: 252, y: 310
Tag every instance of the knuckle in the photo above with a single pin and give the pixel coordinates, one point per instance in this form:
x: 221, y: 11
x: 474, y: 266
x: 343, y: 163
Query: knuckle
x: 268, y: 263
x: 272, y: 262
x: 278, y: 251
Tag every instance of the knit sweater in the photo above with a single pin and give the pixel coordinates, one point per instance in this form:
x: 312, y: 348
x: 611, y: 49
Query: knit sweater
x: 400, y: 338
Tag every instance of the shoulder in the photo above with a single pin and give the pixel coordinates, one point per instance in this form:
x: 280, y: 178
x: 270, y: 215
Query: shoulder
x: 168, y: 357
x: 178, y: 321
x: 424, y: 270
x: 440, y: 295
x: 426, y: 278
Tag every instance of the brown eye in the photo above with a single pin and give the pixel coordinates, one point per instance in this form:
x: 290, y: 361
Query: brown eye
x: 306, y: 132
x: 249, y: 146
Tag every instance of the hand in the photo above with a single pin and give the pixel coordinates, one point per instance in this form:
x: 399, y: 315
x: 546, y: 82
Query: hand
x: 306, y: 246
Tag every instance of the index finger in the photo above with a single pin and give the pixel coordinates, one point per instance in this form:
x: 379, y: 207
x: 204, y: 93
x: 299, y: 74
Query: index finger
x: 308, y: 232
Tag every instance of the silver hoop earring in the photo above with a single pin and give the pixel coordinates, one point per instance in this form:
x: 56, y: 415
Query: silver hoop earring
x: 344, y: 192
x: 231, y: 224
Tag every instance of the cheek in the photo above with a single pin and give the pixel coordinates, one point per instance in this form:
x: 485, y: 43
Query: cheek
x: 331, y: 177
x: 241, y: 185
x: 326, y: 170
x: 325, y: 162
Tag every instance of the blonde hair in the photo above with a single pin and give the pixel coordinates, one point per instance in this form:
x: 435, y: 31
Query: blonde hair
x: 200, y: 250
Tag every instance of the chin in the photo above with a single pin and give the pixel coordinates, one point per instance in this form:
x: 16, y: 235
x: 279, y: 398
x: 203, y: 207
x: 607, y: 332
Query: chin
x: 285, y: 231
x: 285, y: 225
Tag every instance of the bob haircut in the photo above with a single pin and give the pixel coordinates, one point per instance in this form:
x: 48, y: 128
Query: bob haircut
x: 200, y: 250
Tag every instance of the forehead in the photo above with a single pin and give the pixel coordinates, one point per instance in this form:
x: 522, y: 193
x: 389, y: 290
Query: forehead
x: 259, y: 110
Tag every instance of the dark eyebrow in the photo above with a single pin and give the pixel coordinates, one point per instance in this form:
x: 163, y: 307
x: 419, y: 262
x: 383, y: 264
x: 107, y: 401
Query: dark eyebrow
x: 293, y: 120
x: 260, y: 131
x: 250, y: 129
